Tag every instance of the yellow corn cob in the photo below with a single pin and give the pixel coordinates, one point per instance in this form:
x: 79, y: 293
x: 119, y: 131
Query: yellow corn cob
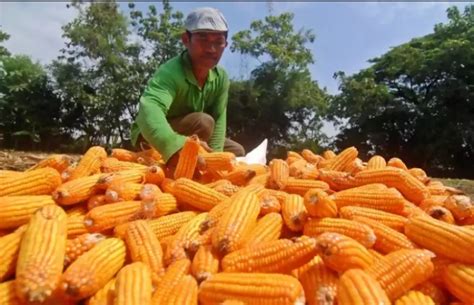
x: 415, y: 298
x: 433, y: 200
x: 187, y: 158
x: 58, y: 162
x: 7, y: 294
x: 108, y: 216
x: 186, y: 240
x: 77, y: 210
x: 41, y: 255
x: 260, y: 179
x: 133, y: 285
x: 293, y: 154
x: 294, y: 212
x: 319, y: 283
x: 442, y: 238
x: 459, y: 279
x: 398, y: 163
x: 36, y: 182
x: 9, y: 247
x: 376, y: 162
x: 17, y: 210
x: 279, y: 174
x: 92, y: 270
x: 375, y: 254
x: 360, y: 232
x: 438, y: 295
x: 215, y: 214
x: 436, y: 188
x: 301, y: 186
x: 232, y: 302
x: 268, y: 228
x: 461, y: 206
x: 296, y: 167
x: 149, y: 191
x: 124, y: 155
x: 236, y: 223
x: 170, y: 224
x: 401, y: 270
x: 185, y: 292
x: 167, y: 185
x: 154, y: 175
x: 393, y: 221
x: 275, y: 256
x: 311, y: 157
x: 385, y: 199
x: 409, y: 186
x: 310, y: 172
x: 356, y: 166
x: 130, y: 175
x: 172, y: 278
x: 318, y: 204
x: 79, y: 245
x: 341, y: 253
x: 419, y: 174
x: 76, y: 226
x: 240, y: 176
x: 205, y: 263
x: 356, y: 287
x: 337, y: 180
x: 227, y: 189
x: 160, y: 205
x: 77, y: 190
x: 219, y: 161
x: 65, y: 174
x: 105, y: 295
x: 411, y: 210
x: 123, y: 191
x: 440, y: 264
x: 441, y: 213
x: 252, y: 288
x: 344, y: 158
x: 388, y: 240
x: 259, y: 169
x: 269, y: 204
x: 95, y: 201
x: 110, y: 165
x: 90, y: 163
x: 143, y: 246
x: 196, y: 195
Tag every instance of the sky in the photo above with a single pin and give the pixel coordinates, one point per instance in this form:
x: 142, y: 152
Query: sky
x: 348, y: 34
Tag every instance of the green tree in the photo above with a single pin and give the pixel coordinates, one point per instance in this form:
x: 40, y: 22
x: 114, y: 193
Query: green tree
x: 416, y: 101
x: 3, y: 37
x: 280, y: 101
x: 106, y: 64
x: 31, y: 112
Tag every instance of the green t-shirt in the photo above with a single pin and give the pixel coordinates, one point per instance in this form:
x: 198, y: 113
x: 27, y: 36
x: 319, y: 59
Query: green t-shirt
x: 173, y: 92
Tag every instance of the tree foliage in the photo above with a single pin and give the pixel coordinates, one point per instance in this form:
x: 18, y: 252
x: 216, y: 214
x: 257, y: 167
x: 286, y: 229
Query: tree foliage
x: 280, y: 101
x: 31, y: 112
x: 416, y: 101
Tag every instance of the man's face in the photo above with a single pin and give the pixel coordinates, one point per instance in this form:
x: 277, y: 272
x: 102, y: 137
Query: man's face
x: 205, y: 48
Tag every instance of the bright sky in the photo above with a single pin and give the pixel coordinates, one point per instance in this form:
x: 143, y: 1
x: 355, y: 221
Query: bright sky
x: 347, y: 34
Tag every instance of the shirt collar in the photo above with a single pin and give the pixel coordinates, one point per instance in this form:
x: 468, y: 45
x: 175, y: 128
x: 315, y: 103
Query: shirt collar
x: 213, y: 73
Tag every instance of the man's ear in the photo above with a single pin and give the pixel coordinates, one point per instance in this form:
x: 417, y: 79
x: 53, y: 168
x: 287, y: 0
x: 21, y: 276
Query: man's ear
x: 185, y: 39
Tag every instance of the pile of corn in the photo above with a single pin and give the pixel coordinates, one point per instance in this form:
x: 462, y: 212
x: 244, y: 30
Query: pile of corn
x: 312, y: 229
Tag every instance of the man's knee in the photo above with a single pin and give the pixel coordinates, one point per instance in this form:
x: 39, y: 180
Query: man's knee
x: 203, y: 125
x: 239, y: 150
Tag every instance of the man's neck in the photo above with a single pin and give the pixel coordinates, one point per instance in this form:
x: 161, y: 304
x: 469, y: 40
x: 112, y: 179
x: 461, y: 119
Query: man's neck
x: 200, y: 75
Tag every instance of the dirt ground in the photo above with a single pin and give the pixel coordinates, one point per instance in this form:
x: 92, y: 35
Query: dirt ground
x: 20, y: 160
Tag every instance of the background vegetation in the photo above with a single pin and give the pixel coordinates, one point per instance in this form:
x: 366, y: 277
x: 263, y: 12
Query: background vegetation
x: 415, y: 101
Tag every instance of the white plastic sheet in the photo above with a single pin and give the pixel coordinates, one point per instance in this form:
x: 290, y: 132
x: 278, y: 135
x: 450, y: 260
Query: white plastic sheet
x: 257, y: 156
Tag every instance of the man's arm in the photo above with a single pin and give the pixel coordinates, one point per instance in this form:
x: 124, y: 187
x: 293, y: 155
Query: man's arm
x: 219, y: 112
x: 151, y: 119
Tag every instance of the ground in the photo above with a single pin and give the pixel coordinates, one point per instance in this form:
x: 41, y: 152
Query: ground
x: 19, y: 160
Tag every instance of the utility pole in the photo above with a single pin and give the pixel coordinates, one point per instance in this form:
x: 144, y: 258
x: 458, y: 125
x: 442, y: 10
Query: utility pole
x: 270, y: 7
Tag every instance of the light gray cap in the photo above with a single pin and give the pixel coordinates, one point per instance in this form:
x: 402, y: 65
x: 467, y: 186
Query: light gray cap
x: 206, y: 19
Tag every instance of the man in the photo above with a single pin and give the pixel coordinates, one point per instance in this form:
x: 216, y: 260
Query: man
x: 188, y: 94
